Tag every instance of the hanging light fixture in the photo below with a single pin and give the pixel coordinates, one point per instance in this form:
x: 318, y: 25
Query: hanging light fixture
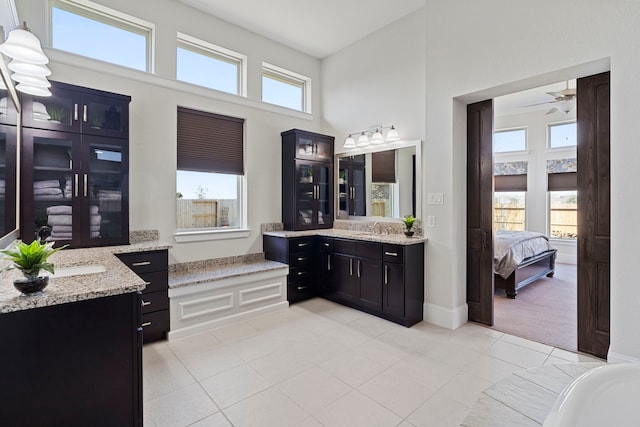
x: 349, y: 142
x: 363, y: 140
x: 392, y: 135
x: 30, y: 70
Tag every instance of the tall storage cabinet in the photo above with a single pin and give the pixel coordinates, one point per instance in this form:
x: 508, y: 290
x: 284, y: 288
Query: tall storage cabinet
x: 75, y: 167
x: 307, y: 180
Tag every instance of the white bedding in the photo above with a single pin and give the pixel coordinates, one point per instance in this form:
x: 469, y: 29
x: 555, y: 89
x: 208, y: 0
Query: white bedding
x: 510, y: 248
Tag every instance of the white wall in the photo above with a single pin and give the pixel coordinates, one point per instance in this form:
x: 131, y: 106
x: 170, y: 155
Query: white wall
x: 477, y: 50
x: 153, y: 111
x: 537, y: 155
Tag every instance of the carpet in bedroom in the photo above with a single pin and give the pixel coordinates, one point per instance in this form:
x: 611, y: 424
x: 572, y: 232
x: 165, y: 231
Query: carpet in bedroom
x: 544, y: 311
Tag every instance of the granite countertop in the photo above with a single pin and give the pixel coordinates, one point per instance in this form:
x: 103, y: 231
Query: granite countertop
x: 117, y: 279
x: 395, y: 239
x: 192, y: 277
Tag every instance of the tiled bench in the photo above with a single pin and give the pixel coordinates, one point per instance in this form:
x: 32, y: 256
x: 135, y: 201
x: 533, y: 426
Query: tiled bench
x: 207, y: 294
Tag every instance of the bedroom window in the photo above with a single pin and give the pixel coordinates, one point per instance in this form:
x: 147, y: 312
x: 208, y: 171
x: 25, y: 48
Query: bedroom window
x: 505, y: 141
x: 563, y: 214
x: 89, y: 29
x: 562, y: 135
x: 211, y: 66
x: 509, y: 210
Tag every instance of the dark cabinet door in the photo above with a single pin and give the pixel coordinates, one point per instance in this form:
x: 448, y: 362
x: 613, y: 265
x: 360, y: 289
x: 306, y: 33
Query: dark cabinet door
x: 314, y: 147
x: 393, y: 298
x: 352, y: 200
x: 313, y: 195
x: 326, y: 266
x: 345, y: 286
x: 369, y: 274
x: 105, y: 115
x: 8, y: 144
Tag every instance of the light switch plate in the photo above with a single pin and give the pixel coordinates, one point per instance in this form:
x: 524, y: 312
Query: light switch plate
x: 435, y: 198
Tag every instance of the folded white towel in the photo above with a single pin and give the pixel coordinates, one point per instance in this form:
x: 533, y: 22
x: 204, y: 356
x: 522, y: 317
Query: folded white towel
x: 61, y: 228
x: 46, y: 184
x: 95, y: 219
x: 47, y: 191
x: 59, y: 210
x: 60, y: 220
x: 47, y: 196
x: 94, y: 209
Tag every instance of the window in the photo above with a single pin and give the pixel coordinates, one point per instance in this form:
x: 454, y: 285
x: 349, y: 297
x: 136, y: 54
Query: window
x: 509, y: 210
x: 563, y: 135
x: 210, y: 171
x: 285, y: 88
x: 509, y: 140
x: 86, y: 28
x: 563, y: 205
x: 208, y: 65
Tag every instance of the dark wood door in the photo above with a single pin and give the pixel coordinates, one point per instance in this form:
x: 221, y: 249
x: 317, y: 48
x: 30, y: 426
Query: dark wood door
x: 345, y: 283
x: 593, y: 214
x: 479, y: 209
x: 369, y: 273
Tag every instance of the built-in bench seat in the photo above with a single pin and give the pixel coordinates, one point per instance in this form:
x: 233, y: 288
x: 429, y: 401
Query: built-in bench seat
x: 212, y: 293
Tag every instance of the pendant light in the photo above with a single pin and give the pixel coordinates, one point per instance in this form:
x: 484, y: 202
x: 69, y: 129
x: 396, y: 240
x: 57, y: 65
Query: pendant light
x: 349, y: 142
x: 376, y: 138
x: 392, y: 135
x: 363, y: 140
x: 28, y: 69
x: 23, y: 45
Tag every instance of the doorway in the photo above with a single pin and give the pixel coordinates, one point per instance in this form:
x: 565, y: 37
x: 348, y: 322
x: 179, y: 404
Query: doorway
x: 593, y: 219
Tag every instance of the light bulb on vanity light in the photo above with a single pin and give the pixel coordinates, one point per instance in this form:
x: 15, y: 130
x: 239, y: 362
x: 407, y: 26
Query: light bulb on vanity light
x: 363, y: 140
x: 376, y: 138
x: 349, y: 142
x: 392, y: 135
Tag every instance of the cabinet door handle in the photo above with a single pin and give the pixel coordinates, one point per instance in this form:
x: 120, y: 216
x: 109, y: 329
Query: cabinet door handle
x: 86, y: 182
x: 386, y: 274
x: 354, y: 192
x: 391, y: 253
x: 145, y: 303
x: 75, y: 181
x: 350, y: 266
x: 141, y: 263
x: 358, y: 269
x: 75, y: 111
x: 145, y: 324
x: 84, y: 113
x: 328, y: 262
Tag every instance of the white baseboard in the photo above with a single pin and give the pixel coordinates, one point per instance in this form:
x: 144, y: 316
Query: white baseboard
x: 446, y: 317
x: 566, y: 259
x: 613, y: 357
x: 223, y: 321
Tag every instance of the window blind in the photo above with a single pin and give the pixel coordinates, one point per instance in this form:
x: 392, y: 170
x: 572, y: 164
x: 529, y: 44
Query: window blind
x: 383, y: 166
x: 510, y: 182
x: 210, y: 142
x: 566, y: 181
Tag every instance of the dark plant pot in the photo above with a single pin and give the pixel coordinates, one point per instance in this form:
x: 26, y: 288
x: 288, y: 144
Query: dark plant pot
x: 408, y: 233
x: 27, y: 286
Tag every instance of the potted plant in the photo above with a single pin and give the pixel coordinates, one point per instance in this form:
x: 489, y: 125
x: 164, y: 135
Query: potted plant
x: 30, y: 259
x: 409, y: 220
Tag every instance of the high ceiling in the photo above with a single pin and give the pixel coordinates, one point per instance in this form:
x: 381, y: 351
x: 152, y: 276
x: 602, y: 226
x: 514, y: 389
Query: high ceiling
x: 521, y: 102
x: 315, y: 27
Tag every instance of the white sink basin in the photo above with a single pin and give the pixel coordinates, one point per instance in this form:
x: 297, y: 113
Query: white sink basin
x: 78, y: 270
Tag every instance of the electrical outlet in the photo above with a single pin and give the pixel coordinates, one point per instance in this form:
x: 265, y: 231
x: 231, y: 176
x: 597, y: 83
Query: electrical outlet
x: 435, y: 198
x: 431, y: 221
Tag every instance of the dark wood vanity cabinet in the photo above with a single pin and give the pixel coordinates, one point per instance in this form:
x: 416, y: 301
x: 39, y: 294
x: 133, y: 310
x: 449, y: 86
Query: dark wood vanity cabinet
x: 307, y: 180
x: 152, y: 267
x: 383, y: 279
x: 352, y: 178
x: 75, y: 177
x: 73, y: 364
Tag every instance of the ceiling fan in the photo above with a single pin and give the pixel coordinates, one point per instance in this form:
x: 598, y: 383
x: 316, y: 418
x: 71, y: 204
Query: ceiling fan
x: 565, y: 100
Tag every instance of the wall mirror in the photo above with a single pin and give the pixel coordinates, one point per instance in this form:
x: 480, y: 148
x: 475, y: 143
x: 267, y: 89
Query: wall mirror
x: 379, y: 181
x: 9, y: 142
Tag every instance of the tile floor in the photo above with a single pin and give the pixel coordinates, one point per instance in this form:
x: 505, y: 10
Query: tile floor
x: 321, y: 364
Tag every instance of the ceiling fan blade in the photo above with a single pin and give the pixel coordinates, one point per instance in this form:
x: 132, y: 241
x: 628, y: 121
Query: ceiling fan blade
x: 551, y: 111
x: 539, y: 103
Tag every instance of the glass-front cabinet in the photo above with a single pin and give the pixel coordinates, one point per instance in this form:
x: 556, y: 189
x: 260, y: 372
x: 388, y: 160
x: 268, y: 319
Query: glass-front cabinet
x: 78, y: 110
x: 307, y: 180
x: 351, y: 175
x: 8, y: 142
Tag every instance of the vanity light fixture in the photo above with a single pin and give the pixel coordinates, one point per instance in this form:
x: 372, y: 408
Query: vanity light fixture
x: 373, y: 135
x: 23, y: 46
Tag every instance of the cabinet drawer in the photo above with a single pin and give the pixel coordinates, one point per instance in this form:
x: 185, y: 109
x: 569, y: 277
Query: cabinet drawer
x: 155, y: 325
x: 154, y: 301
x: 369, y: 250
x: 326, y: 243
x: 144, y: 262
x: 393, y: 253
x: 300, y: 244
x: 343, y: 246
x: 156, y: 281
x: 299, y: 289
x: 300, y: 274
x: 301, y: 259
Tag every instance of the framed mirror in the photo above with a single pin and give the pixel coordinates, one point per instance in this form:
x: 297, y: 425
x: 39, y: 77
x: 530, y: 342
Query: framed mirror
x: 379, y: 181
x: 9, y: 143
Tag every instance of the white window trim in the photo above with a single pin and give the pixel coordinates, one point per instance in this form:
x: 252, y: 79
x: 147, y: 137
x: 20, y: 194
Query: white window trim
x: 216, y: 52
x: 565, y: 148
x: 526, y: 140
x: 96, y: 11
x: 292, y: 77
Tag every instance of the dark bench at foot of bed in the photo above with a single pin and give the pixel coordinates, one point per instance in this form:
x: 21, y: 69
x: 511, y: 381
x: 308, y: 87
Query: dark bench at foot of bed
x: 528, y: 271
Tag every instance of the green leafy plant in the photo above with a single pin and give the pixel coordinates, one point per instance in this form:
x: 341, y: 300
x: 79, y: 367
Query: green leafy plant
x: 30, y: 258
x: 56, y: 113
x: 409, y: 221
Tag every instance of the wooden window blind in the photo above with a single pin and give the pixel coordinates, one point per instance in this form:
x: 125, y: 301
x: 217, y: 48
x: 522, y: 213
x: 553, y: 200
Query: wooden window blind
x: 510, y: 182
x: 566, y: 181
x: 210, y: 142
x: 383, y: 166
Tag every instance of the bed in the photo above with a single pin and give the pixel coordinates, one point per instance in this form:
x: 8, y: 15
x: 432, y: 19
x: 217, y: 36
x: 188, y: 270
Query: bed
x: 520, y: 258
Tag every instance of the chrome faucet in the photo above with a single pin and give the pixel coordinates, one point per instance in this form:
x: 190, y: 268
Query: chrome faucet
x: 373, y: 229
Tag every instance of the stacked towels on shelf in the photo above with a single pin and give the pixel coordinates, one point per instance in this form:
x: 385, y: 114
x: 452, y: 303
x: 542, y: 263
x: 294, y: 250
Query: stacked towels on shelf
x: 68, y: 188
x: 47, y: 190
x: 109, y: 194
x: 60, y: 219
